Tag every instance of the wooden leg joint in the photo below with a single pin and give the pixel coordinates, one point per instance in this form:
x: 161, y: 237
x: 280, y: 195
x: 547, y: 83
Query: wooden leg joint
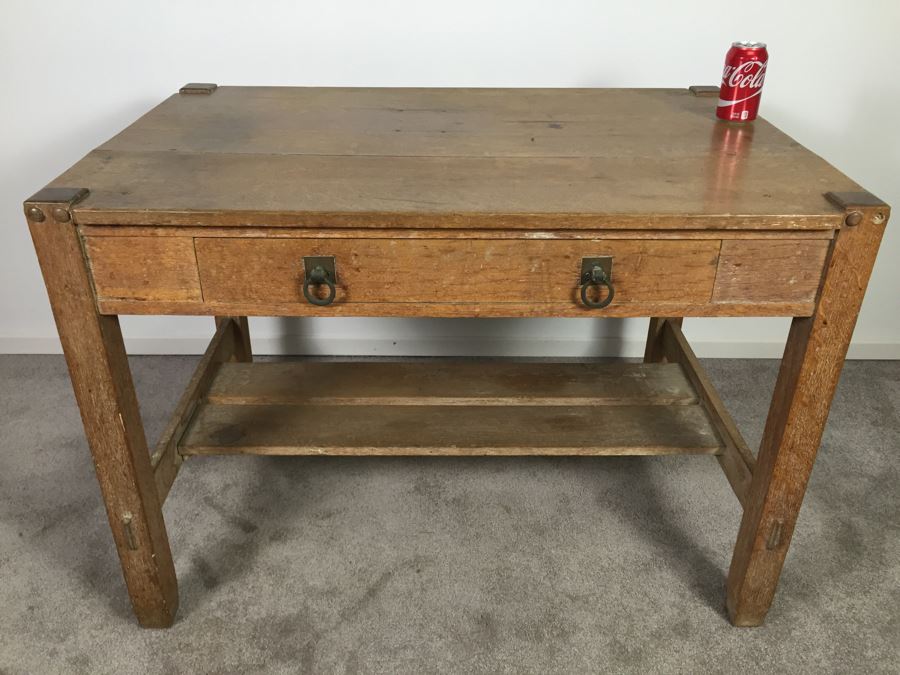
x: 130, y: 540
x: 653, y: 353
x: 736, y: 459
x: 230, y: 343
x: 101, y: 379
x: 775, y: 535
x: 813, y: 357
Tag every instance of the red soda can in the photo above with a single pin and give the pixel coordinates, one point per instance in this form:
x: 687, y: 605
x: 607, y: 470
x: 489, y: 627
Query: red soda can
x: 742, y: 81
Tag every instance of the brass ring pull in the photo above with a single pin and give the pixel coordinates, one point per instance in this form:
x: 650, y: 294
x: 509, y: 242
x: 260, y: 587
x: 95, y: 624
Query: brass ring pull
x: 596, y: 277
x: 318, y: 276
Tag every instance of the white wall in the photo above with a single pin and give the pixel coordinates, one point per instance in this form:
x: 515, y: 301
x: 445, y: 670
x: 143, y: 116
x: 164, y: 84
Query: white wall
x: 74, y: 73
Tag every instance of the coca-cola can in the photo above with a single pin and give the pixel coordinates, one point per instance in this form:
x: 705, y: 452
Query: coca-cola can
x: 742, y: 81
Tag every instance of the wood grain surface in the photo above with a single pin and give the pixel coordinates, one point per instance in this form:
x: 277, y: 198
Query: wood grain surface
x: 449, y: 430
x: 454, y: 270
x: 573, y: 309
x: 474, y: 408
x: 432, y: 276
x: 98, y: 366
x: 144, y: 268
x: 736, y: 458
x: 453, y: 203
x: 654, y: 348
x: 166, y: 461
x: 412, y: 233
x: 442, y: 383
x: 770, y: 271
x: 812, y: 363
x: 522, y: 158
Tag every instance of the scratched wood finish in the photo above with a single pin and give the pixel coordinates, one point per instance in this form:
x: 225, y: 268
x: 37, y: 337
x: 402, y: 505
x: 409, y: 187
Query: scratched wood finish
x: 458, y: 383
x: 144, y: 268
x: 451, y: 271
x: 573, y: 309
x: 439, y: 122
x: 267, y: 269
x: 412, y: 233
x: 772, y: 271
x: 426, y: 276
x: 813, y: 358
x: 447, y: 158
x: 478, y: 408
x: 449, y: 430
x: 98, y: 367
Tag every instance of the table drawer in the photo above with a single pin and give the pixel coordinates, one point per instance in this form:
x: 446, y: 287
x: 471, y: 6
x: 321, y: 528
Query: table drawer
x: 181, y: 272
x: 442, y: 271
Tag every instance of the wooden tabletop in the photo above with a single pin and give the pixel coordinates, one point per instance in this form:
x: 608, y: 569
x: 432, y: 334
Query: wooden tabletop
x: 485, y: 158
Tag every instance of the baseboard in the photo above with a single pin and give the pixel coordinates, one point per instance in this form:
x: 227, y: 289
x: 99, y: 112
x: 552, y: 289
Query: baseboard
x: 452, y: 346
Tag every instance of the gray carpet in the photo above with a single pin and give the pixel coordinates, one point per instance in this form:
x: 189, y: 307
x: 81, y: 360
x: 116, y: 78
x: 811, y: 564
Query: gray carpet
x: 416, y: 565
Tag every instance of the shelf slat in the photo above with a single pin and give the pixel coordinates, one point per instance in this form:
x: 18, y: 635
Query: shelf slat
x: 470, y: 408
x: 450, y: 430
x: 447, y: 383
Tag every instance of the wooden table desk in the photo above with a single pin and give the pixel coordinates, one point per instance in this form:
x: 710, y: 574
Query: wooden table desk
x: 238, y: 201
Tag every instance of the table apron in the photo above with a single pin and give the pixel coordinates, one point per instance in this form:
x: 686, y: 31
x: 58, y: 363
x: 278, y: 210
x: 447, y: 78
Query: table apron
x: 454, y: 276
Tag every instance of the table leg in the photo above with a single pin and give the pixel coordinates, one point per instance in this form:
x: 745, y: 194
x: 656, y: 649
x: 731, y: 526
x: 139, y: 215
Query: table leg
x: 242, y: 350
x: 98, y: 367
x: 653, y: 352
x: 813, y: 358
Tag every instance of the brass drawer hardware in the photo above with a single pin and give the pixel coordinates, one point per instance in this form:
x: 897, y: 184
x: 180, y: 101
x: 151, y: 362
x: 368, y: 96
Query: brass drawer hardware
x: 319, y: 270
x: 597, y: 272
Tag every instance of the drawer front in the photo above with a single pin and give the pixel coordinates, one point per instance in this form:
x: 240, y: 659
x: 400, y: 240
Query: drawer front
x: 766, y: 271
x: 144, y: 269
x: 180, y: 271
x: 541, y: 273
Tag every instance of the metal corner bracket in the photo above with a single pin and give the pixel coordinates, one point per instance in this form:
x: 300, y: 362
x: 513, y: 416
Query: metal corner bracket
x: 198, y: 88
x: 704, y: 90
x: 856, y: 205
x: 55, y: 201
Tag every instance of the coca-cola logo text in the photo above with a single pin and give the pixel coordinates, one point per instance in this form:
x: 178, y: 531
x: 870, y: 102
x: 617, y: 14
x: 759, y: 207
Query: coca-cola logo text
x: 748, y: 75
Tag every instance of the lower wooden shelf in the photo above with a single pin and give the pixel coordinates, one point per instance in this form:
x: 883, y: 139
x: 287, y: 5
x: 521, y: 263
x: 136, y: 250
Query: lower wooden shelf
x: 465, y: 408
